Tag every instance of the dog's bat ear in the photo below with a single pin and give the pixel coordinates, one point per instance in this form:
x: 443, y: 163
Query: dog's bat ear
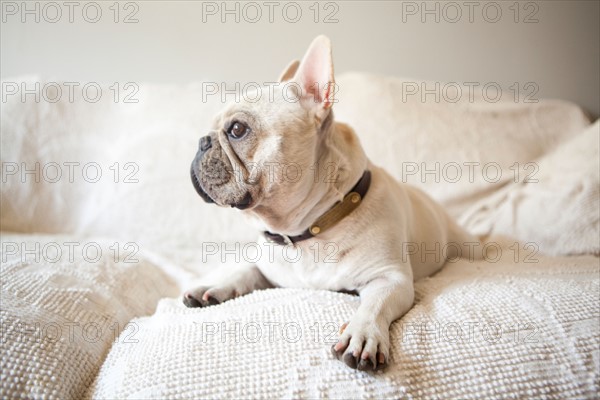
x: 315, y: 73
x: 289, y: 71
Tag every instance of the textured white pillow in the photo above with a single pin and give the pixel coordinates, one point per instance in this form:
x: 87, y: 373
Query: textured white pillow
x: 491, y: 329
x: 147, y: 198
x: 411, y: 134
x: 63, y: 305
x: 559, y: 210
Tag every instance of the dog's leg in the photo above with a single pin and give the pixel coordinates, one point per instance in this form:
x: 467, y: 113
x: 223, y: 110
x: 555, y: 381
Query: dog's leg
x: 365, y: 342
x: 239, y: 284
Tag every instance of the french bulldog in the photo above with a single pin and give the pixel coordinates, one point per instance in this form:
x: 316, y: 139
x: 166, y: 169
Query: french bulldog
x: 381, y: 230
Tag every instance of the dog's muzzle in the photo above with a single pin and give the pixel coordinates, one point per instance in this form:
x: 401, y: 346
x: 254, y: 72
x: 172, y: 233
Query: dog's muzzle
x: 197, y: 186
x: 204, y: 145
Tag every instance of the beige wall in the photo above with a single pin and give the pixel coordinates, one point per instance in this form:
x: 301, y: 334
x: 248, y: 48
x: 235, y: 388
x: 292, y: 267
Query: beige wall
x: 557, y: 50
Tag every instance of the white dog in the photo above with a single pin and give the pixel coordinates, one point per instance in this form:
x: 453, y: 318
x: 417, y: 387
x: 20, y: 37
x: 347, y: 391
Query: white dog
x: 377, y: 228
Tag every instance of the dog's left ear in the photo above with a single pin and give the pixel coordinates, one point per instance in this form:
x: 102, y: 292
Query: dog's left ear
x: 315, y: 76
x: 289, y: 71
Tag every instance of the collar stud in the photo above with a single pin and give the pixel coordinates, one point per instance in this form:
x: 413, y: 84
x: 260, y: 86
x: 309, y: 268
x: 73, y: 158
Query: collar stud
x: 355, y: 198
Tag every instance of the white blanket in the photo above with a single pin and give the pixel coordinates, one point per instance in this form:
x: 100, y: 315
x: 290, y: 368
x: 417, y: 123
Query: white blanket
x: 478, y: 330
x: 64, y: 301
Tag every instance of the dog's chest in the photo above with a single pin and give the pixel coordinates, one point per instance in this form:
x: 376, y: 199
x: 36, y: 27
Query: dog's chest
x: 316, y: 265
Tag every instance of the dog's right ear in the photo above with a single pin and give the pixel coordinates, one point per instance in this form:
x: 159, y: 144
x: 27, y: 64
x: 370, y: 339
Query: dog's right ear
x: 315, y: 77
x: 289, y: 71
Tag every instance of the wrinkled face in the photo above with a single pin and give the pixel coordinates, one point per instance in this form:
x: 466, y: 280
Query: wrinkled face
x: 258, y: 153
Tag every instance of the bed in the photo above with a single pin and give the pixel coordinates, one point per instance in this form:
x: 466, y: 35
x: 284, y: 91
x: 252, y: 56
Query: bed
x: 102, y: 232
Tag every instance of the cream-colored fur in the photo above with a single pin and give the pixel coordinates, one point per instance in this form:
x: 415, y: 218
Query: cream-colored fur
x: 396, y: 235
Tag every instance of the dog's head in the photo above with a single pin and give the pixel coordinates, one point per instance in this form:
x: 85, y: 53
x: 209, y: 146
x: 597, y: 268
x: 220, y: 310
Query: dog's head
x: 261, y: 152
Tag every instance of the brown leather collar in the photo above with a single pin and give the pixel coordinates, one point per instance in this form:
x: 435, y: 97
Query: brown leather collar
x: 335, y: 214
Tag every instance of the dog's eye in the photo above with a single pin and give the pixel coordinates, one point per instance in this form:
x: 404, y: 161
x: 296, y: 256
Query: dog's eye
x: 238, y: 130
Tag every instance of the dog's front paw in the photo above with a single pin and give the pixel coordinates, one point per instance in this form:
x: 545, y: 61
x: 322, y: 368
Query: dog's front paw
x: 363, y: 345
x: 208, y: 296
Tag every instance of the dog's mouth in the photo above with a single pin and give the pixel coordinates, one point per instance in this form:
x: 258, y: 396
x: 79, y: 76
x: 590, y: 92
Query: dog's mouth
x: 244, y: 203
x: 198, y: 188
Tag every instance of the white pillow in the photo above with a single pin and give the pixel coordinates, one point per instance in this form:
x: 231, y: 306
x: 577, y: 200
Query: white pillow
x: 558, y: 209
x: 509, y: 347
x: 64, y: 302
x: 410, y: 134
x: 150, y: 201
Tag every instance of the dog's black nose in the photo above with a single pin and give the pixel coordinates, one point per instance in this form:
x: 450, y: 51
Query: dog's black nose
x: 205, y: 143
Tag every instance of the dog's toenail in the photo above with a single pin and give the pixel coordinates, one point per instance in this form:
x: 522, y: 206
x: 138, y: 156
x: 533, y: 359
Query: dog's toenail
x: 350, y: 360
x: 343, y: 327
x: 363, y: 365
x: 335, y: 353
x: 190, y: 301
